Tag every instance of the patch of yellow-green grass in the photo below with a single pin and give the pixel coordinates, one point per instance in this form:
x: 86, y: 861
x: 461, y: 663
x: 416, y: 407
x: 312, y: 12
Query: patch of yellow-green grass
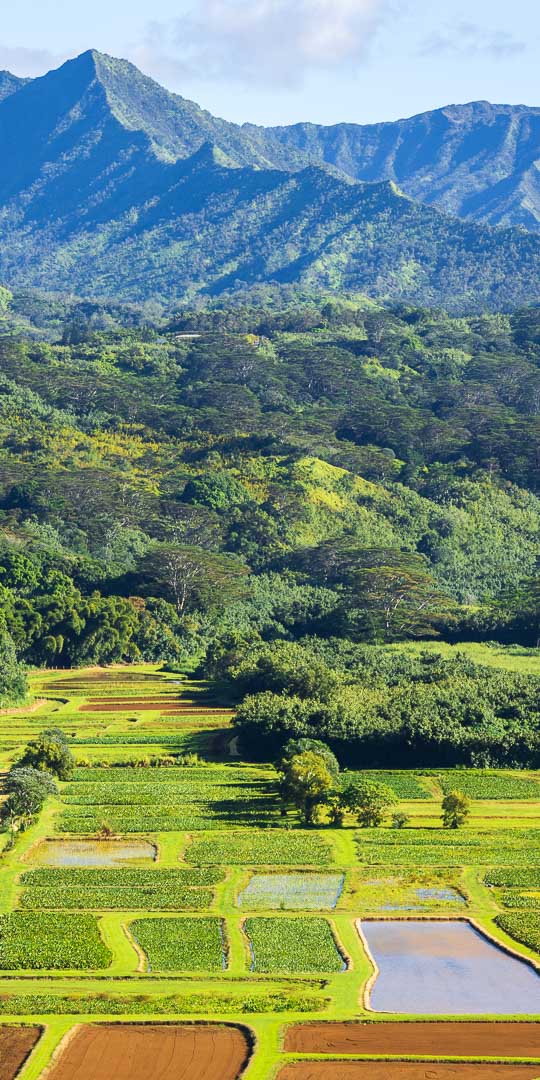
x: 509, y: 657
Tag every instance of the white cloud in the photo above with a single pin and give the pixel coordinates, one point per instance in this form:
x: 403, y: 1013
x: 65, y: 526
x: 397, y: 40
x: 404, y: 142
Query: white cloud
x: 470, y: 40
x: 261, y: 42
x: 24, y: 62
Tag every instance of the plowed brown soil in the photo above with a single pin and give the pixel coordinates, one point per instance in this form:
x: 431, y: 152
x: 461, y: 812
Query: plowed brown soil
x: 15, y: 1046
x: 475, y: 1039
x: 152, y: 1052
x: 174, y: 707
x: 129, y: 705
x: 224, y: 714
x: 404, y: 1070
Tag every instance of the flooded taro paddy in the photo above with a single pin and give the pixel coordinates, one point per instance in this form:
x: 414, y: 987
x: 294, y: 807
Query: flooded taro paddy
x: 446, y: 967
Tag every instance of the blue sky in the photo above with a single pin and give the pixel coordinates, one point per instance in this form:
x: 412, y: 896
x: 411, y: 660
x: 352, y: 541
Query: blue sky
x: 280, y: 61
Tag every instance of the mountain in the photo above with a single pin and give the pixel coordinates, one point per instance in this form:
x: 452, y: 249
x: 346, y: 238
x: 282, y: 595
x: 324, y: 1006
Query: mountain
x: 112, y: 186
x: 478, y: 161
x: 9, y: 84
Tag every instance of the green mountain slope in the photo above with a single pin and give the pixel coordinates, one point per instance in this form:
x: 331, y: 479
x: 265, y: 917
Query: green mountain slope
x: 203, y: 227
x: 117, y: 188
x: 478, y: 161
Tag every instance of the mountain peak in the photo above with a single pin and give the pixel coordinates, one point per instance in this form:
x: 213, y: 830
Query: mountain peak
x: 211, y: 155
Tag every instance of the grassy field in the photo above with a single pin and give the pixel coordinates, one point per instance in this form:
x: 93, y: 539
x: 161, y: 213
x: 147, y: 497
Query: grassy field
x: 243, y: 915
x: 512, y: 658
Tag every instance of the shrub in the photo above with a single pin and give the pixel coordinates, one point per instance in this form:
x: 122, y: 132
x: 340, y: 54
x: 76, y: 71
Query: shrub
x: 50, y: 752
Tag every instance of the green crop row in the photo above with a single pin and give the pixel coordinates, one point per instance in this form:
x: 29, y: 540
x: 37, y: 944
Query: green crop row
x: 120, y: 878
x: 514, y: 899
x: 464, y: 838
x: 404, y: 784
x: 523, y: 927
x: 485, y: 785
x: 46, y: 942
x: 443, y: 855
x: 524, y: 877
x: 181, y: 944
x: 148, y: 774
x: 155, y: 794
x: 123, y: 823
x: 292, y: 945
x: 174, y: 1005
x: 268, y: 848
x: 147, y: 898
x: 165, y: 819
x: 183, y: 742
x: 417, y: 847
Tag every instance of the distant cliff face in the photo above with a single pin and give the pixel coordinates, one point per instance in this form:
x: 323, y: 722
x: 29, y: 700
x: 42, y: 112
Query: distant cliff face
x: 113, y: 186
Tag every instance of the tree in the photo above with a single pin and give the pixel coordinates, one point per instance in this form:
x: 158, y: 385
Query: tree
x: 399, y: 594
x: 369, y: 800
x: 301, y: 746
x: 49, y: 753
x: 455, y: 809
x: 388, y: 593
x: 306, y: 782
x: 189, y: 576
x: 266, y: 721
x: 284, y: 666
x: 13, y: 681
x: 27, y: 788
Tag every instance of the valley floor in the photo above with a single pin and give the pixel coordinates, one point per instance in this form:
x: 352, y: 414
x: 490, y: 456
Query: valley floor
x: 162, y: 886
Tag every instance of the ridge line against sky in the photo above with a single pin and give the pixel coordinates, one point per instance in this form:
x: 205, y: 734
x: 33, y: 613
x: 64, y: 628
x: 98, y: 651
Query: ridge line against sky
x: 285, y: 61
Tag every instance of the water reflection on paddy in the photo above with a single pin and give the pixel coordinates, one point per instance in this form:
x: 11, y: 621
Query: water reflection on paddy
x: 446, y: 968
x: 91, y: 852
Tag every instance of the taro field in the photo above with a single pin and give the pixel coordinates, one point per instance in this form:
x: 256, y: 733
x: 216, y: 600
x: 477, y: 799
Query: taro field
x: 162, y: 883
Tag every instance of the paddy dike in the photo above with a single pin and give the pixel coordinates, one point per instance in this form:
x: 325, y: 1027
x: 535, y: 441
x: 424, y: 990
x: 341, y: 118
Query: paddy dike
x: 469, y: 1039
x: 16, y: 1043
x: 139, y: 1051
x: 404, y: 1070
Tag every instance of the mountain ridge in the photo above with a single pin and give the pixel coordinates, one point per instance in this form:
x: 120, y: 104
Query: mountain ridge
x: 10, y: 84
x: 115, y: 187
x: 429, y: 155
x: 478, y: 160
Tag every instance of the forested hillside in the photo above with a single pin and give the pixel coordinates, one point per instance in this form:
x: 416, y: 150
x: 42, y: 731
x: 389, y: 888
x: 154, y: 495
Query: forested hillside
x: 326, y: 472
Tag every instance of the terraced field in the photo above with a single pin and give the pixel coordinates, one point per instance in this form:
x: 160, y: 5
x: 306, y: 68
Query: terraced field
x: 163, y: 890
